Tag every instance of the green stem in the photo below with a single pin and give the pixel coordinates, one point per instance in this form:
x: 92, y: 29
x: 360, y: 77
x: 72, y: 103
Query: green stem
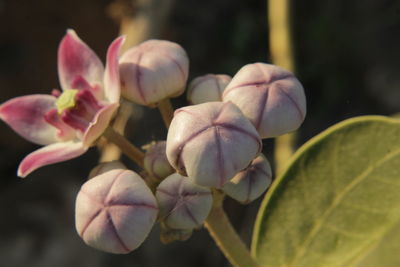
x: 126, y: 147
x: 280, y: 33
x: 109, y: 151
x: 282, y: 55
x: 225, y: 236
x: 284, y: 149
x: 167, y: 111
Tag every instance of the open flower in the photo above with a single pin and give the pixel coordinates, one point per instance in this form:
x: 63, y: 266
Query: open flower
x: 68, y: 122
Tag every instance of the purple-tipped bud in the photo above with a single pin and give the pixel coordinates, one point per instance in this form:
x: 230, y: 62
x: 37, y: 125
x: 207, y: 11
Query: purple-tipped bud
x: 153, y: 71
x: 183, y: 204
x: 115, y: 211
x: 271, y: 97
x: 105, y: 167
x: 156, y: 162
x: 250, y: 183
x: 211, y: 142
x: 207, y: 88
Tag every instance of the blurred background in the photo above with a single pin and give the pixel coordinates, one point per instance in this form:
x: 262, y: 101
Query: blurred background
x: 347, y: 57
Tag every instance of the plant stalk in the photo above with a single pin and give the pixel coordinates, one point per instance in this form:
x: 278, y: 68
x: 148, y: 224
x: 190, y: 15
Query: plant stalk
x: 125, y: 146
x: 282, y: 54
x: 139, y: 21
x: 225, y: 236
x: 167, y: 111
x: 110, y: 151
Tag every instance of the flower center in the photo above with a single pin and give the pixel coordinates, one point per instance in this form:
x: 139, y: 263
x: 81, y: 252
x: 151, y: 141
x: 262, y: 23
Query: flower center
x: 66, y: 100
x: 77, y: 108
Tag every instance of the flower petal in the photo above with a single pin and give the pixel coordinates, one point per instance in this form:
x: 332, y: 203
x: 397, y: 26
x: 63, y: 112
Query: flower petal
x: 25, y: 115
x: 111, y: 76
x: 80, y: 83
x: 75, y: 58
x: 99, y: 124
x: 50, y: 154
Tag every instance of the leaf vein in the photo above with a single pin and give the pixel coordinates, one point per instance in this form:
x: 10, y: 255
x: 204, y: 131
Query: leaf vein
x: 336, y: 201
x: 364, y: 209
x: 343, y: 232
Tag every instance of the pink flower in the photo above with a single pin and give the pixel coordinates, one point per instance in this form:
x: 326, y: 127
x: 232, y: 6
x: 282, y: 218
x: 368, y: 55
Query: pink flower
x: 68, y: 122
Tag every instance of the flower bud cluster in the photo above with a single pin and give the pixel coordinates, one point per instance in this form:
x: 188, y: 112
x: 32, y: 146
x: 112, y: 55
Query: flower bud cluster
x: 214, y: 144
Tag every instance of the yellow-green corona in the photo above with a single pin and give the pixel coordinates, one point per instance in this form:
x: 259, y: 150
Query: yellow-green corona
x: 66, y: 100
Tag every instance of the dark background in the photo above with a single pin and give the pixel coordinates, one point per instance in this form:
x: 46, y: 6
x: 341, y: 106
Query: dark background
x: 347, y: 57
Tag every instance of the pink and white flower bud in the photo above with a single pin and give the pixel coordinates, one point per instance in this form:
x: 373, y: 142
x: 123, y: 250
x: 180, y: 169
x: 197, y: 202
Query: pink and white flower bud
x: 115, y: 211
x: 250, y: 183
x: 207, y: 88
x: 152, y: 71
x: 211, y: 142
x: 105, y: 167
x: 183, y: 204
x: 156, y: 162
x: 271, y: 97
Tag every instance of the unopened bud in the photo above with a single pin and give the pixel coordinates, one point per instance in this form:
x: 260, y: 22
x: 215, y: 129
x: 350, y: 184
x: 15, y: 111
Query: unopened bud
x: 156, y: 162
x: 115, y: 211
x: 250, y: 183
x: 271, y: 97
x: 105, y: 167
x: 211, y: 142
x: 182, y: 203
x: 153, y: 71
x: 207, y: 88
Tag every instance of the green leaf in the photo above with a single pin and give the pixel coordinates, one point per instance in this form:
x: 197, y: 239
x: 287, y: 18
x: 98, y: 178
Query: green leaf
x: 396, y: 115
x: 338, y: 202
x: 383, y: 253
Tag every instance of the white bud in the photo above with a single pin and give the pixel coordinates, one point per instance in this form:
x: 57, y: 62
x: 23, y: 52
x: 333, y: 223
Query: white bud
x: 250, y: 183
x: 156, y: 162
x: 115, y: 211
x: 271, y: 97
x: 183, y: 204
x: 153, y: 71
x: 211, y: 142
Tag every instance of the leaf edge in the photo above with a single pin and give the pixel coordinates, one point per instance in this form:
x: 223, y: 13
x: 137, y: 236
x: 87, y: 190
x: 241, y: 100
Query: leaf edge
x: 314, y: 140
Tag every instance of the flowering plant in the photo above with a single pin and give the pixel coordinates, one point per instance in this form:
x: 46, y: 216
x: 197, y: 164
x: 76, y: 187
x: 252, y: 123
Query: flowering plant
x: 334, y: 203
